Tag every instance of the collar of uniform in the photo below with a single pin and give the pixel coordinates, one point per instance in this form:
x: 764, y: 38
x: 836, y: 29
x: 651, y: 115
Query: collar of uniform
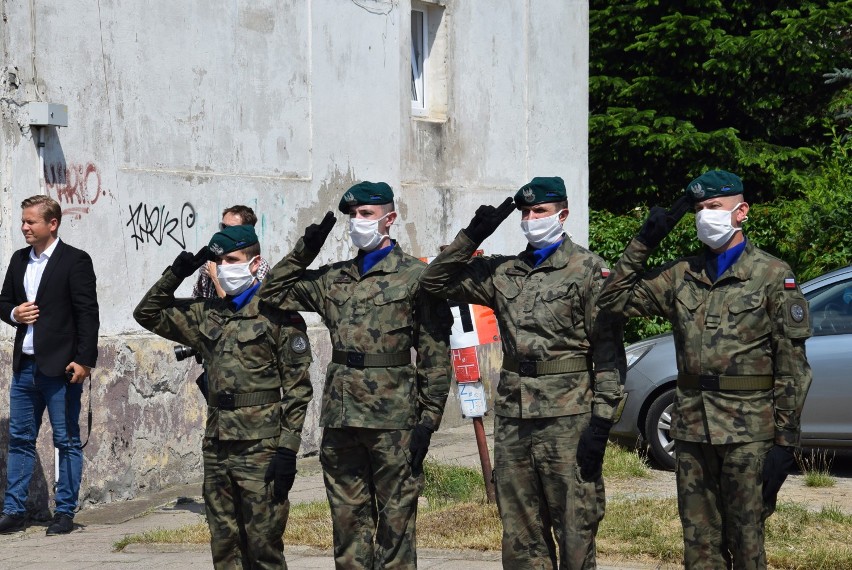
x: 556, y: 260
x: 741, y: 269
x: 388, y: 264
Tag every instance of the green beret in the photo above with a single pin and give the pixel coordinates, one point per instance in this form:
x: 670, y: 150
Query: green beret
x: 540, y: 190
x: 231, y: 239
x: 370, y: 193
x: 712, y: 184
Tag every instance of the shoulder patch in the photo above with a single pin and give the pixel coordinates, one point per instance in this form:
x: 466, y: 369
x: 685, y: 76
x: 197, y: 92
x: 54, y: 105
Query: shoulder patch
x: 299, y: 343
x: 789, y: 283
x: 605, y: 272
x: 796, y: 313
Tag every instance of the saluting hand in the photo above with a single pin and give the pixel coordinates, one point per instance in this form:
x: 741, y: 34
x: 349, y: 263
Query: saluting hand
x: 487, y: 219
x: 26, y: 313
x: 185, y: 264
x: 316, y: 234
x: 661, y: 221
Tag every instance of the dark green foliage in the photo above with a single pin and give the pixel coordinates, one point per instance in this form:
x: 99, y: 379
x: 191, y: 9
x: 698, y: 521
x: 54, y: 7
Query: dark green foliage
x: 682, y: 86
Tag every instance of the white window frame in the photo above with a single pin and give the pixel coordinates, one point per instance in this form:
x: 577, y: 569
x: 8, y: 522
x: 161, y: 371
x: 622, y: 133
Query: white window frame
x: 420, y: 68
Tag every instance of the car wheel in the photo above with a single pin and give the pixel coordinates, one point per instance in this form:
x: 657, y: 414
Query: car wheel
x: 658, y: 425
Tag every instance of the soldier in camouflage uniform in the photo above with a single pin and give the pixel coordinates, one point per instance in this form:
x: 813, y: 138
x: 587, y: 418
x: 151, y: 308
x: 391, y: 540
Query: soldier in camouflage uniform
x: 740, y: 324
x: 553, y: 408
x: 255, y: 354
x: 378, y: 409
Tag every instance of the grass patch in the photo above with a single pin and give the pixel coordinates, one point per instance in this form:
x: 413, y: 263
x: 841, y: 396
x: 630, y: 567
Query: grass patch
x: 189, y: 534
x: 623, y: 463
x: 446, y: 484
x: 816, y: 467
x: 645, y: 530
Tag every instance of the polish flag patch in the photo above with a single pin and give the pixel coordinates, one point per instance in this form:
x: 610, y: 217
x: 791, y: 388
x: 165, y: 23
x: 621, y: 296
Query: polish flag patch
x: 604, y: 272
x: 789, y: 283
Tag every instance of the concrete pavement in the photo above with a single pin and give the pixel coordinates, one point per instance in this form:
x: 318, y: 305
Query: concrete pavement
x: 91, y: 544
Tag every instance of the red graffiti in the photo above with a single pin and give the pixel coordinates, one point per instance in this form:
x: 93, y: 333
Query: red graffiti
x: 76, y: 186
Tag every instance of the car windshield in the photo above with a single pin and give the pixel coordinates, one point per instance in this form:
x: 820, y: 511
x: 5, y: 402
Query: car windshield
x: 831, y: 308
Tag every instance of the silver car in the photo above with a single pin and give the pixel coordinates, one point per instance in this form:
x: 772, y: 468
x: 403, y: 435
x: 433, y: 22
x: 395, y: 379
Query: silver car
x: 827, y: 415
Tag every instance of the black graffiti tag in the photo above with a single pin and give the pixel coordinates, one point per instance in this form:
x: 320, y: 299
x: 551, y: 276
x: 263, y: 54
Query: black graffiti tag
x: 156, y: 223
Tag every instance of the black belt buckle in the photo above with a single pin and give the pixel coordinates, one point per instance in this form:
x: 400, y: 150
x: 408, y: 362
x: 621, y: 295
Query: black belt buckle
x: 527, y: 368
x: 708, y: 381
x: 355, y: 359
x: 226, y: 401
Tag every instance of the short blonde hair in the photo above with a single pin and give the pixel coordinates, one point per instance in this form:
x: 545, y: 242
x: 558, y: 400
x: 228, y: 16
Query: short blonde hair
x: 50, y: 209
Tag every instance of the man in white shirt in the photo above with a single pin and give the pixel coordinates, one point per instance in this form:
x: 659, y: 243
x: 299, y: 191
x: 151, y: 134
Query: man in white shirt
x: 49, y: 296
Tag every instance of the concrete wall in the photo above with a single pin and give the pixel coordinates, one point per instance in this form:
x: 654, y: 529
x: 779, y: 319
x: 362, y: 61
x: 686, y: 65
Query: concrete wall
x: 180, y: 109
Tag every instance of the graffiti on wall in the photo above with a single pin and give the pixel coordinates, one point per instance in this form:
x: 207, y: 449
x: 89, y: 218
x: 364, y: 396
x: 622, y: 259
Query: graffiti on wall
x: 154, y: 224
x: 76, y: 187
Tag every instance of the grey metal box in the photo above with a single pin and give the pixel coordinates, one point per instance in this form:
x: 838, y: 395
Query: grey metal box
x: 54, y: 114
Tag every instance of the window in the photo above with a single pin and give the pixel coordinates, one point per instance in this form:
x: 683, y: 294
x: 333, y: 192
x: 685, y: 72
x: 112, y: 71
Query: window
x: 429, y: 42
x: 831, y: 309
x: 419, y: 47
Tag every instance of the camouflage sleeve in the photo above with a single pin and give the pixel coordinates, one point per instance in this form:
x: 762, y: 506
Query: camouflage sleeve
x: 455, y: 275
x: 294, y: 353
x: 791, y: 328
x: 159, y: 313
x: 290, y: 286
x: 607, y: 341
x: 432, y: 342
x: 632, y: 291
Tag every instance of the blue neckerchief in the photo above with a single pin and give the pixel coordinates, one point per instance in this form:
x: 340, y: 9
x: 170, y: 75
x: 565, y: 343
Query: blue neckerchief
x: 541, y: 254
x: 718, y: 263
x: 367, y: 260
x: 243, y: 298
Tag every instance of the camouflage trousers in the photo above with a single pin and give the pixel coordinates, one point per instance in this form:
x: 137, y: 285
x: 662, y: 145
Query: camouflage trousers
x: 540, y: 493
x: 720, y: 500
x: 372, y: 495
x: 246, y: 527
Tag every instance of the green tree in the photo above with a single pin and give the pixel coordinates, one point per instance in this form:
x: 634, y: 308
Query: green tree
x: 680, y: 86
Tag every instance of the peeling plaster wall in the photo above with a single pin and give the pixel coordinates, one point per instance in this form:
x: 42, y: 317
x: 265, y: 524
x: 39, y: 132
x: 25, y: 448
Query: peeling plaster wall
x: 178, y: 110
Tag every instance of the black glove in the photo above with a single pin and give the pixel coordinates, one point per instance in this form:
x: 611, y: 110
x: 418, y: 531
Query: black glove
x: 591, y: 448
x: 282, y: 473
x: 420, y: 438
x: 660, y: 222
x: 486, y: 220
x: 186, y: 264
x: 316, y: 234
x: 779, y: 462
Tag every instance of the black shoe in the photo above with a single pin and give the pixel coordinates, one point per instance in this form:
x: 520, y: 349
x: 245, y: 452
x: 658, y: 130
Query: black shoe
x: 12, y: 523
x: 62, y: 524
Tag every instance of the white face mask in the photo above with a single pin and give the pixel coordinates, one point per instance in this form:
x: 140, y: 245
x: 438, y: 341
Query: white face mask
x: 365, y: 233
x: 234, y: 278
x: 714, y: 226
x: 543, y: 232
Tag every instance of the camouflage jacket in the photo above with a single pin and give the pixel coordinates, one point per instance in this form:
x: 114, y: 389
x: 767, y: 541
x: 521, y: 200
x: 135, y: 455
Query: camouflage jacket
x: 545, y: 313
x: 255, y: 349
x: 746, y: 323
x: 382, y: 311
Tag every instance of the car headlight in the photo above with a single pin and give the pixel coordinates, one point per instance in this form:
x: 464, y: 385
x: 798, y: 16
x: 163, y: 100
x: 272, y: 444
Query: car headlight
x: 635, y: 353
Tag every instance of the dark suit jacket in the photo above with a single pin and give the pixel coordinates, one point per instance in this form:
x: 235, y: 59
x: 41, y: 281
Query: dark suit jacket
x: 67, y: 327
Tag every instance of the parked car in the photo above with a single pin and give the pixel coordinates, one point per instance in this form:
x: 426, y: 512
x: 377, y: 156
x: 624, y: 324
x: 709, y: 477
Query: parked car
x: 826, y: 419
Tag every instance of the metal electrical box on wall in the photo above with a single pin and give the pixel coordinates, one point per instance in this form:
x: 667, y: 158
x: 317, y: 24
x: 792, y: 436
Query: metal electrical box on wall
x: 44, y: 114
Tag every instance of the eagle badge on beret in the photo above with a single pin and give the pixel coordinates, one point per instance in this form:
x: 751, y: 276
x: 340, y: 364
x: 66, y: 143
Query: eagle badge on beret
x: 529, y: 194
x: 216, y: 249
x: 350, y: 199
x: 697, y: 190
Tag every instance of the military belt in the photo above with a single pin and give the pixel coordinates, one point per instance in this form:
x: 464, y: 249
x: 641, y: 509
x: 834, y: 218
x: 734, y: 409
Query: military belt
x: 716, y: 382
x: 534, y: 368
x: 365, y: 360
x: 228, y: 401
